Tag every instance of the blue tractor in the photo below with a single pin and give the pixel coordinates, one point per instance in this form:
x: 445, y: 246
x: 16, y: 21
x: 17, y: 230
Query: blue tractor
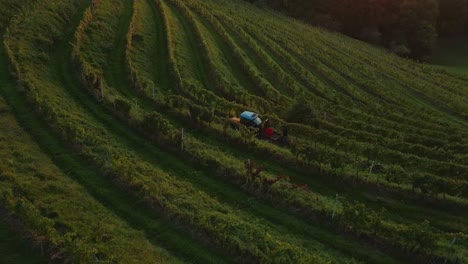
x: 251, y: 119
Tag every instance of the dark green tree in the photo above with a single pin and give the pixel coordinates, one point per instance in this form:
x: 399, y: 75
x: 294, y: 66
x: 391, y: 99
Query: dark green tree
x: 417, y: 21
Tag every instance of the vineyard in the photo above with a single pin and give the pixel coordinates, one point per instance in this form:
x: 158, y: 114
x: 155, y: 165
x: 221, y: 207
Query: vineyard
x: 116, y: 144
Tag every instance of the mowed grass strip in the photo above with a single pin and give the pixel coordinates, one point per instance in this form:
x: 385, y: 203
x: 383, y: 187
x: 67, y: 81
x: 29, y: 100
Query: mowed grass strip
x: 190, y: 62
x: 149, y: 31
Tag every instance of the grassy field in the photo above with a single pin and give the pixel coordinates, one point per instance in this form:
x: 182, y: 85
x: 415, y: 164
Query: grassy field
x: 452, y: 54
x: 98, y: 92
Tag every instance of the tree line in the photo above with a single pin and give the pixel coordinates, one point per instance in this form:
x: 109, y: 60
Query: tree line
x: 407, y: 27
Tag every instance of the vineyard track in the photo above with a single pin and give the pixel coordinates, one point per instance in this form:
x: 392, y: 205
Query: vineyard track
x: 116, y: 73
x: 161, y: 75
x: 199, y: 70
x: 148, y: 219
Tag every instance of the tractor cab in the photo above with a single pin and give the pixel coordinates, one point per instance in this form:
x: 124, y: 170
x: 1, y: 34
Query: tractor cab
x: 250, y: 119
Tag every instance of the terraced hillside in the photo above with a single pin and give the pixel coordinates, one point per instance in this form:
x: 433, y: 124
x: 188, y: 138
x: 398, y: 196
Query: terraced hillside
x: 116, y: 144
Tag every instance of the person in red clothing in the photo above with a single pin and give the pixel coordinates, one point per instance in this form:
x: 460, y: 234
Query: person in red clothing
x: 267, y: 130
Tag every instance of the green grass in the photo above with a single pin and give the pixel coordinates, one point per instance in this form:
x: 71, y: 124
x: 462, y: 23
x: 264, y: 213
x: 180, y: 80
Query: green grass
x: 150, y: 27
x: 191, y: 63
x: 452, y: 54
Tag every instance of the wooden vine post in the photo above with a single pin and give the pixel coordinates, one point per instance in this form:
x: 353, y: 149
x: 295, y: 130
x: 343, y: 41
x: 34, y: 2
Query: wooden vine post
x: 370, y: 170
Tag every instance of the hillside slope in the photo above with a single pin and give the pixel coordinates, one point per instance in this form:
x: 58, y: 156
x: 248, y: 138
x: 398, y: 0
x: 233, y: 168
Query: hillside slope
x: 130, y: 104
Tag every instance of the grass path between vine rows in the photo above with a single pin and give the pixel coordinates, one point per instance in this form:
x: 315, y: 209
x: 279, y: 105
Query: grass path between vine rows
x: 161, y: 58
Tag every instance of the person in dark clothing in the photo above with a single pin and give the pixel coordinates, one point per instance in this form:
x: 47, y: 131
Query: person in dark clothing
x: 285, y: 135
x: 266, y: 124
x: 260, y: 131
